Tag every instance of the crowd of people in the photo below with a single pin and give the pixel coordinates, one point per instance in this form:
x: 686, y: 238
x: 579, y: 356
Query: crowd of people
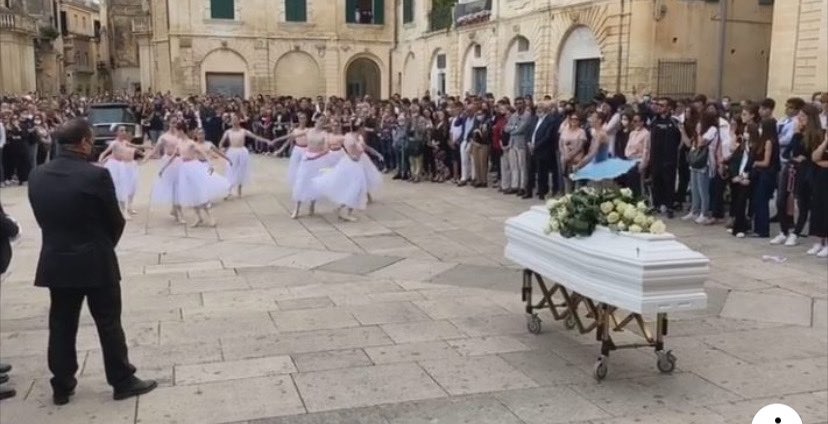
x: 695, y: 156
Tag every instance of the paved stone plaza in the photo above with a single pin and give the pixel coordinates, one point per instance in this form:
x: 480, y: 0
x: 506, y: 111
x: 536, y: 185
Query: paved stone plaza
x: 409, y: 316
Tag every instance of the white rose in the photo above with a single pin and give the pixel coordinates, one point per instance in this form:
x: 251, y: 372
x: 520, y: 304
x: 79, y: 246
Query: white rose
x: 650, y: 220
x: 630, y: 213
x: 635, y: 229
x: 607, y: 207
x: 642, y: 206
x: 552, y: 203
x: 555, y: 225
x: 658, y: 227
x: 622, y: 226
x: 563, y: 213
x: 613, y: 217
x: 626, y: 193
x: 640, y: 219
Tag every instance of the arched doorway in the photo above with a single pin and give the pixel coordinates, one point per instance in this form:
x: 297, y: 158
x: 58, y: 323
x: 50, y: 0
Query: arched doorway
x: 297, y: 74
x: 475, y: 70
x: 224, y: 71
x: 362, y: 77
x: 579, y: 65
x: 519, y: 68
x: 410, y: 77
x: 439, y: 70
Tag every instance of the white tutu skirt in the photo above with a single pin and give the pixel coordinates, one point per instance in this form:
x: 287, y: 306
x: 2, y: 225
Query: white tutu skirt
x: 304, y: 189
x: 296, y: 156
x: 197, y: 187
x: 344, y: 184
x: 238, y: 173
x: 336, y: 155
x: 124, y: 176
x: 372, y: 174
x: 164, y: 189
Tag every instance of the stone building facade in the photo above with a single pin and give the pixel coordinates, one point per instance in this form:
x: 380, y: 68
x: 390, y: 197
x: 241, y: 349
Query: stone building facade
x: 17, y: 55
x: 569, y: 48
x: 247, y: 47
x: 564, y: 48
x: 799, y: 50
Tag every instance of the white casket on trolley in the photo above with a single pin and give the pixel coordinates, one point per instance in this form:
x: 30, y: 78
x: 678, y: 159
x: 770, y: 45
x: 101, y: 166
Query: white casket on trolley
x: 607, y: 281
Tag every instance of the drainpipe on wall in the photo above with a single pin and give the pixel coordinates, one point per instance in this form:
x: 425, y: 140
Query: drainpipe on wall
x: 391, y: 52
x: 620, y: 48
x: 722, y: 39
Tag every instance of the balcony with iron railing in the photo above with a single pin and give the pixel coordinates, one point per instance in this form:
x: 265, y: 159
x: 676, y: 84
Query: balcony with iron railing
x: 472, y: 12
x: 10, y: 21
x: 440, y: 17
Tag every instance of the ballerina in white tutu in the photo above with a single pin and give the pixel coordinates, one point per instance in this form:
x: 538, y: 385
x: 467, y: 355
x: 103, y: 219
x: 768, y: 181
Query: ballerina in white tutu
x: 346, y: 184
x: 315, y: 158
x: 334, y: 139
x: 196, y: 186
x: 372, y: 174
x: 119, y: 160
x: 239, y: 172
x: 164, y: 189
x: 298, y: 139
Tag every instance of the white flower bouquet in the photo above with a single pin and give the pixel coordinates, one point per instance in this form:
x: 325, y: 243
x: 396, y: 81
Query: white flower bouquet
x: 577, y: 214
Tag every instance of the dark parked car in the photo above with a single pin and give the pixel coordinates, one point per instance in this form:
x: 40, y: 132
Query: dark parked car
x: 105, y: 119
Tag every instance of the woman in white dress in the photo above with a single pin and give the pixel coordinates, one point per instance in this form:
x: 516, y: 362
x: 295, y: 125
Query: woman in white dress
x: 164, y: 189
x: 334, y: 140
x: 196, y: 187
x: 298, y: 139
x: 119, y: 160
x: 315, y: 158
x: 346, y: 184
x: 239, y: 172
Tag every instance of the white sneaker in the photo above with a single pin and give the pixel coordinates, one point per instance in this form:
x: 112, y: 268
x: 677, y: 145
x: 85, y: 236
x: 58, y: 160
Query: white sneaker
x: 792, y: 240
x: 779, y: 239
x: 701, y: 220
x: 729, y: 230
x: 688, y: 217
x: 823, y: 253
x: 740, y: 235
x: 815, y: 249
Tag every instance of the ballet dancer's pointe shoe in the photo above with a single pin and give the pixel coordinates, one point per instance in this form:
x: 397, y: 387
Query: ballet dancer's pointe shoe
x: 295, y: 214
x: 347, y: 218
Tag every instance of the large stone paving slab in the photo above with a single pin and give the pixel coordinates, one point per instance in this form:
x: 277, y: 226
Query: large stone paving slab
x: 355, y: 387
x: 227, y: 318
x: 221, y: 402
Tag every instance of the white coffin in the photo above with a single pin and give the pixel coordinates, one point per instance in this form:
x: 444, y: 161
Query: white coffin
x: 642, y: 273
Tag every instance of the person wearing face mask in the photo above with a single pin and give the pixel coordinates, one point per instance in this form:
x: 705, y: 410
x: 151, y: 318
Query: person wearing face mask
x: 17, y: 153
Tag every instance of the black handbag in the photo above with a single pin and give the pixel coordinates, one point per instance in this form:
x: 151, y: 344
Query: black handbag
x: 697, y: 158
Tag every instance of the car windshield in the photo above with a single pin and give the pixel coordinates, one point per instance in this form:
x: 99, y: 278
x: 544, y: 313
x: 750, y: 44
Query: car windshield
x: 110, y: 115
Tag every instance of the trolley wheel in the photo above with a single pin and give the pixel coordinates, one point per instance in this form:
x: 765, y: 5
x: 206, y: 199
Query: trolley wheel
x: 533, y: 323
x: 666, y: 361
x: 569, y: 322
x: 599, y: 371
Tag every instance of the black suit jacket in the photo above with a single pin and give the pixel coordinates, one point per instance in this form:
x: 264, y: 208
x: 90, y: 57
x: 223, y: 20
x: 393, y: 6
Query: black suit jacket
x: 75, y: 206
x: 547, y: 136
x: 8, y: 229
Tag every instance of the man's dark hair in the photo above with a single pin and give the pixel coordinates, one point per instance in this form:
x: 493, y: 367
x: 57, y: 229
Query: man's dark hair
x: 701, y: 98
x: 768, y: 103
x: 73, y: 131
x: 796, y: 103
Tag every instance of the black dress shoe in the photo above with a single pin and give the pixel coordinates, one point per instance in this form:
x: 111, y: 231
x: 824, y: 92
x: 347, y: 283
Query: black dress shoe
x: 4, y: 378
x: 61, y: 398
x: 397, y: 177
x: 5, y: 368
x: 6, y: 393
x: 135, y: 387
x: 526, y: 196
x: 520, y: 192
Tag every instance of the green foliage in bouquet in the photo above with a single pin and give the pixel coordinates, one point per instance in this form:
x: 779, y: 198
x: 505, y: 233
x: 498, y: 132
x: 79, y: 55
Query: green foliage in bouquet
x: 577, y: 214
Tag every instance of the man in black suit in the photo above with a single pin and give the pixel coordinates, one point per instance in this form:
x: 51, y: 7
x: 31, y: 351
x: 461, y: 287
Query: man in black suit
x: 75, y: 206
x: 543, y: 145
x: 9, y: 230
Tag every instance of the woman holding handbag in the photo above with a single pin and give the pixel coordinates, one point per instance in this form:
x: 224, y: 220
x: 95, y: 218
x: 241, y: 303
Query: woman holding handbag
x: 702, y: 163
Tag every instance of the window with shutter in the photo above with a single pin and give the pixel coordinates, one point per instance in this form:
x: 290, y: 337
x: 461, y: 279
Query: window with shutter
x: 296, y: 10
x: 379, y: 12
x: 408, y: 11
x: 222, y: 9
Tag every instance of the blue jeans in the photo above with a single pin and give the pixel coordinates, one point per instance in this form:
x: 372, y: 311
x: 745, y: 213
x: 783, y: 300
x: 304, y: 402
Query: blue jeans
x: 403, y: 164
x: 761, y: 193
x: 699, y: 191
x: 388, y: 154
